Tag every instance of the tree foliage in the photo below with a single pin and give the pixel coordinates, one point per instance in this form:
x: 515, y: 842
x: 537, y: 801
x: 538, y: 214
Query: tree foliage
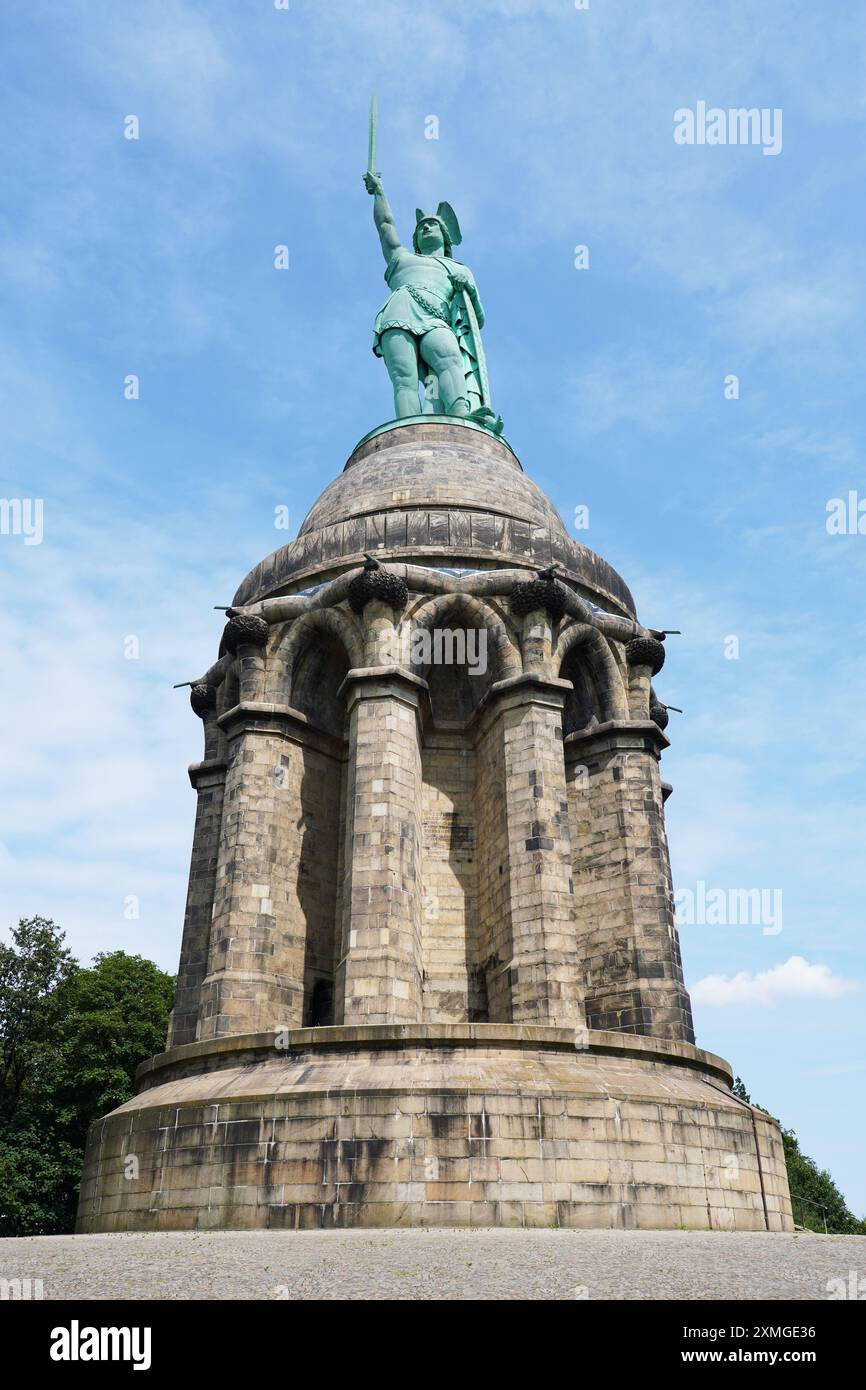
x: 71, y: 1038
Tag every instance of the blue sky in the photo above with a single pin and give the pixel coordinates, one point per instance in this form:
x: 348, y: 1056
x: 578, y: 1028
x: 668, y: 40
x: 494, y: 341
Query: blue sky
x: 155, y: 257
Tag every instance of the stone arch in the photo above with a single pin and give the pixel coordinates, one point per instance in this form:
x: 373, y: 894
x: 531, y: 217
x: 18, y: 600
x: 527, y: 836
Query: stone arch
x: 462, y: 613
x: 309, y: 662
x: 584, y: 657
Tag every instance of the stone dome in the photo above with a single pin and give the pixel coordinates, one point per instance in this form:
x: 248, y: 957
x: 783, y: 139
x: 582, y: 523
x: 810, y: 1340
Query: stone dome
x: 410, y: 469
x: 428, y: 492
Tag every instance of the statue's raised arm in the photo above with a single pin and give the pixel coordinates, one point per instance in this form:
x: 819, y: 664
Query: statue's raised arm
x: 383, y: 217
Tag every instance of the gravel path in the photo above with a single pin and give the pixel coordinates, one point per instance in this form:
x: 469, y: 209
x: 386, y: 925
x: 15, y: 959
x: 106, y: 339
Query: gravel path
x: 436, y: 1264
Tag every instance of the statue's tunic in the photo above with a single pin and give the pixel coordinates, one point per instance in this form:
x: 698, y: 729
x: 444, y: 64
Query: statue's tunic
x: 421, y: 295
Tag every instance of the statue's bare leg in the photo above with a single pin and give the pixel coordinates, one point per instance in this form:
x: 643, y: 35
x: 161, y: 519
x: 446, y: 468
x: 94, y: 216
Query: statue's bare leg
x: 440, y: 350
x: 401, y: 359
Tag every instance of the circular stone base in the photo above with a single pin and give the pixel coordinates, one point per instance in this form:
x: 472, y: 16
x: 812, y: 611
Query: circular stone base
x: 436, y: 1125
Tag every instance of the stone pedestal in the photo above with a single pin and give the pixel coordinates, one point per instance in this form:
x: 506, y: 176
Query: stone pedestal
x: 413, y: 1125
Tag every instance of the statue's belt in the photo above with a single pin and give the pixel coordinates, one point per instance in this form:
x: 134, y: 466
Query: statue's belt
x: 438, y: 310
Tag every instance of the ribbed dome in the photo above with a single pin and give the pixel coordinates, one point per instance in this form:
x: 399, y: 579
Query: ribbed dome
x: 436, y: 492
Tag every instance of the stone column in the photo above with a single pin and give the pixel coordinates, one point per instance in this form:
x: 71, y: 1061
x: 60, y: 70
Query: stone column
x: 276, y: 881
x: 544, y: 974
x: 208, y: 778
x: 622, y: 882
x: 255, y: 975
x: 379, y: 975
x: 255, y: 978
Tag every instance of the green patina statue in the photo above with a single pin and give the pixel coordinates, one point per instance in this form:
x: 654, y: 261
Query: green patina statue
x: 429, y: 329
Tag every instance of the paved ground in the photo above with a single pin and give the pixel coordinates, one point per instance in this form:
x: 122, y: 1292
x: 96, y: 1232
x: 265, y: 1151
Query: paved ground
x: 437, y: 1264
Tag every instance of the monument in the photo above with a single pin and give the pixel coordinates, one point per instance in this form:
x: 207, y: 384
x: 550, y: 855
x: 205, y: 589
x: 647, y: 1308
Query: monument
x: 430, y: 972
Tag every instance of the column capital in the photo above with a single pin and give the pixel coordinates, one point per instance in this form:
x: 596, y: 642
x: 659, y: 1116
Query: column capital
x: 383, y: 682
x: 551, y: 689
x: 617, y: 735
x: 207, y: 773
x: 267, y: 717
x: 526, y: 688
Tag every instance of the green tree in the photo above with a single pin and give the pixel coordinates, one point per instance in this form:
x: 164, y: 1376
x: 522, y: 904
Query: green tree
x: 115, y: 1015
x: 70, y: 1041
x: 37, y: 1167
x: 31, y: 970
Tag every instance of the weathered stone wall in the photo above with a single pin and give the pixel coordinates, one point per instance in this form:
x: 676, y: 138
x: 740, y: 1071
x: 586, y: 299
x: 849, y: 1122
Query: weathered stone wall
x: 494, y: 871
x: 312, y: 865
x: 450, y: 862
x: 438, y: 1131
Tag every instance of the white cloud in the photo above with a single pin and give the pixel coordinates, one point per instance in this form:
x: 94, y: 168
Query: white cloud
x: 796, y: 978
